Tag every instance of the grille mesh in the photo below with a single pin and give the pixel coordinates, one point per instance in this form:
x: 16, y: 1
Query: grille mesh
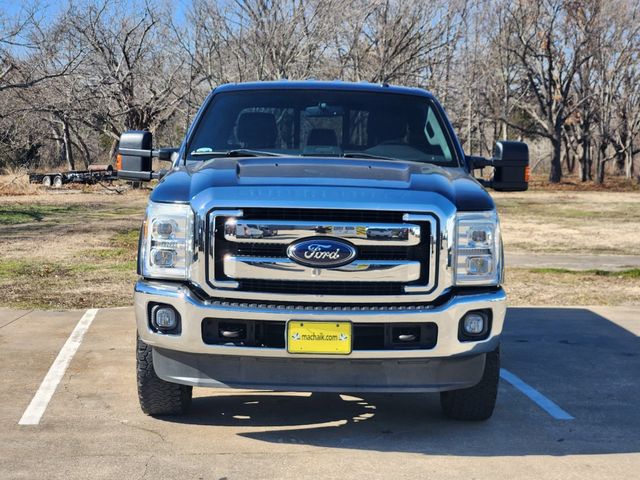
x: 282, y: 286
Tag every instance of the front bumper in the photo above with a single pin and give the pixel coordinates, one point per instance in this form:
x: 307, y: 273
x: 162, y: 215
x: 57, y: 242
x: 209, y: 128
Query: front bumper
x: 193, y: 310
x: 319, y: 375
x: 187, y: 359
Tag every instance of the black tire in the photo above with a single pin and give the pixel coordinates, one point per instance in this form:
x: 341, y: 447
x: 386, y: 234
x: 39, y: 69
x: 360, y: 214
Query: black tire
x: 46, y: 181
x: 156, y: 396
x: 475, y: 403
x: 57, y: 181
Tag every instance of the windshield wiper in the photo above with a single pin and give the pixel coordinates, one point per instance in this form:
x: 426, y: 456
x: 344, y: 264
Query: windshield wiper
x: 365, y: 155
x: 239, y: 152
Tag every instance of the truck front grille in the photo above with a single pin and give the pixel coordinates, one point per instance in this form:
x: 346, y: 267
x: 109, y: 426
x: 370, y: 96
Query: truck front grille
x: 249, y: 251
x: 326, y: 288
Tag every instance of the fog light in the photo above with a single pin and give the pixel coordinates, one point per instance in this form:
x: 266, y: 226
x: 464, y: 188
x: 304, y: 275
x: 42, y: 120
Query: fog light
x: 163, y: 258
x: 474, y: 323
x: 479, y: 265
x: 165, y: 318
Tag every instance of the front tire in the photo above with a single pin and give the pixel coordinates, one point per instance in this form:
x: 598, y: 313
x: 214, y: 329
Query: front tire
x: 478, y: 402
x: 156, y: 396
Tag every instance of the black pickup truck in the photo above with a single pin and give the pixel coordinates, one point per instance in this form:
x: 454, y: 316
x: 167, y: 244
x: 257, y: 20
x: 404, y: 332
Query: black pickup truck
x: 321, y: 236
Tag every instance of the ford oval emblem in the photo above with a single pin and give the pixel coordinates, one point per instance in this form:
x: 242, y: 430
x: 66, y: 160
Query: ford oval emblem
x: 322, y: 252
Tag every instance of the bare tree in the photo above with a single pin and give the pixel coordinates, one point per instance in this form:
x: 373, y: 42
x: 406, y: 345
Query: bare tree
x: 393, y: 41
x: 550, y: 42
x: 28, y: 51
x: 133, y: 76
x: 563, y: 71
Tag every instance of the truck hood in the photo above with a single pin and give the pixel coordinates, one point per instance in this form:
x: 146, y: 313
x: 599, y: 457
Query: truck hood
x: 257, y: 179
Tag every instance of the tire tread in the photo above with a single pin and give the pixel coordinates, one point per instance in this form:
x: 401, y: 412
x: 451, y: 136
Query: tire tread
x: 156, y: 396
x: 478, y: 402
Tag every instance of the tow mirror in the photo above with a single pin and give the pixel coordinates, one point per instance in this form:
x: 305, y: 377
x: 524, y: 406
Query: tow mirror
x: 510, y: 164
x: 135, y: 155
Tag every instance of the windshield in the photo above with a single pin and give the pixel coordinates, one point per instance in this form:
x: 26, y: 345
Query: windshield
x: 324, y: 123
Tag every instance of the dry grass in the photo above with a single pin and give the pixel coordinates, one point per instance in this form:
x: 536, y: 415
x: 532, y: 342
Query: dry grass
x: 557, y: 287
x: 17, y: 184
x: 612, y: 183
x: 570, y: 222
x: 70, y: 249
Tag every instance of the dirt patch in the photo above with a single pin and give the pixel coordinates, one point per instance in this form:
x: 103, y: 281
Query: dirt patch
x: 69, y: 251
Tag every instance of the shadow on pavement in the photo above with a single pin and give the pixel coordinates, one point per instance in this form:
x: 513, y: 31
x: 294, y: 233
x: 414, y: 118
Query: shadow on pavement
x: 585, y: 363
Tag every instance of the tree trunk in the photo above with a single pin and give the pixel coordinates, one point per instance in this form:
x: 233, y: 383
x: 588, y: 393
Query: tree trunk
x: 585, y: 160
x: 600, y: 164
x: 60, y: 147
x: 570, y: 158
x: 68, y: 147
x: 600, y: 173
x: 113, y: 151
x: 620, y: 161
x: 555, y: 174
x: 628, y: 168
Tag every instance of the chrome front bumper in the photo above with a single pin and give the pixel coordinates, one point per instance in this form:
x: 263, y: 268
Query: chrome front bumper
x: 193, y: 310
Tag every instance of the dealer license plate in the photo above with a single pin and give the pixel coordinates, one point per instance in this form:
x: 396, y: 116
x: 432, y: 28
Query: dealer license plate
x: 331, y: 338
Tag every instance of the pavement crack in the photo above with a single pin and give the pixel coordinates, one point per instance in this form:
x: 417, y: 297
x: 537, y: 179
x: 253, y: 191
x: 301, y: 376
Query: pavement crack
x: 148, y: 430
x: 146, y: 467
x: 16, y: 319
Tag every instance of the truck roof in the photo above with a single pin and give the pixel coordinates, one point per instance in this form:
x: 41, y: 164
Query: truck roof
x: 323, y: 85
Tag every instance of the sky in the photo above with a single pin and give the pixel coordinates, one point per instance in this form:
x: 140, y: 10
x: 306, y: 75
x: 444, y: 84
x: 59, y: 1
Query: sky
x: 50, y: 8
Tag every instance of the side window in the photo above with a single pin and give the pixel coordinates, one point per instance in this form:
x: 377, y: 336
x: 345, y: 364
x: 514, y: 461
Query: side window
x: 436, y: 137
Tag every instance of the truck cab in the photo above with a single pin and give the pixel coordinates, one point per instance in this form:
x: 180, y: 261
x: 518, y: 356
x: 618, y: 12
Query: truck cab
x: 322, y: 237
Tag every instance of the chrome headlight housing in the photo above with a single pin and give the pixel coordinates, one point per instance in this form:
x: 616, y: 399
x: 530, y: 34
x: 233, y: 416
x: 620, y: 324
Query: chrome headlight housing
x: 167, y: 244
x: 478, y: 249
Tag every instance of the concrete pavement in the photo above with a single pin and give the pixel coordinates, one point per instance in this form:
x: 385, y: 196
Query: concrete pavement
x: 585, y: 360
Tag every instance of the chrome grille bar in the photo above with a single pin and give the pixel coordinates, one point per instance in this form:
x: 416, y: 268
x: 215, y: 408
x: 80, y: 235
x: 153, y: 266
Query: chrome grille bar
x: 264, y: 268
x: 283, y: 232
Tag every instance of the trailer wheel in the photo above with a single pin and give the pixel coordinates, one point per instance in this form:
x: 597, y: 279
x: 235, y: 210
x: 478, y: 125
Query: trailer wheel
x: 46, y: 181
x: 57, y: 181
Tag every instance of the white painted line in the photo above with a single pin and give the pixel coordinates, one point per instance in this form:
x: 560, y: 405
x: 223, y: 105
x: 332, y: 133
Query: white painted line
x: 543, y: 402
x: 38, y: 405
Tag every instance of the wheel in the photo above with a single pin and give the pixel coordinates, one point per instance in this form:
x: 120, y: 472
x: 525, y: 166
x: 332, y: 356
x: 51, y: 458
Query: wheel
x: 57, y: 181
x: 46, y: 181
x: 477, y: 402
x: 156, y: 396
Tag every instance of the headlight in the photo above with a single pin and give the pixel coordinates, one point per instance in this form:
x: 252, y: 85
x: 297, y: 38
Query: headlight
x: 167, y: 244
x: 478, y: 254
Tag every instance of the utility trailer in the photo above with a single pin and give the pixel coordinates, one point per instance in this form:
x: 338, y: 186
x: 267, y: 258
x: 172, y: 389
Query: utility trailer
x: 95, y: 174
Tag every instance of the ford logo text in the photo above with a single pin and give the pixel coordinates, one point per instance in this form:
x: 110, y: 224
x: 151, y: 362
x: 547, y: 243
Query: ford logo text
x: 322, y: 252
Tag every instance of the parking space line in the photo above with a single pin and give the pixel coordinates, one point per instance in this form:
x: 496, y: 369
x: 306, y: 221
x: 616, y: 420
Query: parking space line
x: 38, y: 405
x: 534, y: 395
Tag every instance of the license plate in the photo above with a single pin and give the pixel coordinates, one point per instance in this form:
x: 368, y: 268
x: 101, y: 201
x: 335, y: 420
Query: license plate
x: 331, y: 338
